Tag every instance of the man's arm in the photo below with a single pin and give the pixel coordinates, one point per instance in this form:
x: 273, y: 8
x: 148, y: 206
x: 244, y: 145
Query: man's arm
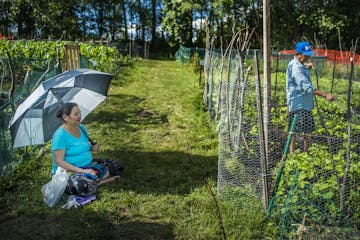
x: 323, y: 94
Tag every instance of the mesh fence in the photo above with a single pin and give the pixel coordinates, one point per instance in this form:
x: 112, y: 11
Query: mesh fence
x: 313, y: 194
x: 29, y: 73
x: 184, y: 54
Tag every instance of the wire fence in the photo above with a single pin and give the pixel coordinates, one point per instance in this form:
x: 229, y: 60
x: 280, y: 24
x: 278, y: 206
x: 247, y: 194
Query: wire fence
x: 313, y: 194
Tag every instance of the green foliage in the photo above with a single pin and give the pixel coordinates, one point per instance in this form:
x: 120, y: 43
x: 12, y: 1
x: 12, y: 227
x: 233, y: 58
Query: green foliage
x: 100, y: 56
x: 31, y: 49
x: 309, y: 185
x: 311, y: 182
x: 106, y: 58
x: 45, y: 18
x: 85, y: 20
x: 177, y: 20
x: 327, y: 23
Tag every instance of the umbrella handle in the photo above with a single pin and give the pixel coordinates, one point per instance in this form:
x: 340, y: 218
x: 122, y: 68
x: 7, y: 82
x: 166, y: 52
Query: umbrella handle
x: 92, y: 142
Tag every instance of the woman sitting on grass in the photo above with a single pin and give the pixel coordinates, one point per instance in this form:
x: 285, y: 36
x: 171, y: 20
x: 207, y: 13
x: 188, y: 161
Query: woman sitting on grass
x: 71, y: 149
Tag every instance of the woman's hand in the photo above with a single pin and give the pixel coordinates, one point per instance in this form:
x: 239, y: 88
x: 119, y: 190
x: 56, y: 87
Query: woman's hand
x: 59, y: 159
x: 89, y: 171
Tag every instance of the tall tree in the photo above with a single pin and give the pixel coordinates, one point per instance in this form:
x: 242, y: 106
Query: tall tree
x: 102, y: 17
x: 56, y: 18
x: 178, y: 18
x: 5, y: 20
x: 124, y: 17
x: 114, y: 20
x: 73, y: 19
x: 142, y: 18
x: 43, y: 19
x: 21, y: 12
x: 83, y: 18
x: 153, y: 24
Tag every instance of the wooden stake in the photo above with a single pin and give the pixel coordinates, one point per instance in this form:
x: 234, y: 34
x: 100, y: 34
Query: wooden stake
x: 267, y: 77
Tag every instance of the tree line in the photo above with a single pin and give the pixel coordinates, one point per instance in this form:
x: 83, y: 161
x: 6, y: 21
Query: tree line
x: 328, y: 23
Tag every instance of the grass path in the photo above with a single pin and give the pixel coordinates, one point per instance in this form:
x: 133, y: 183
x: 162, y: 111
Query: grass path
x: 152, y: 122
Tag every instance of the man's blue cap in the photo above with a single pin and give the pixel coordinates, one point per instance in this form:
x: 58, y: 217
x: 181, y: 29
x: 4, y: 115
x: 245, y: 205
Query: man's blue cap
x: 304, y: 48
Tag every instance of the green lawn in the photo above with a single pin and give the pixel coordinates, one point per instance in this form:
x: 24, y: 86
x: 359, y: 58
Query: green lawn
x: 154, y: 123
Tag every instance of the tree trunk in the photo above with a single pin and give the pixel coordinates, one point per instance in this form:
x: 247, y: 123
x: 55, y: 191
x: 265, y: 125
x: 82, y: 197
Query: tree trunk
x: 5, y: 22
x: 113, y: 23
x: 101, y: 20
x: 20, y: 21
x: 123, y: 9
x: 153, y: 23
x: 190, y: 40
x: 84, y: 20
x: 142, y: 20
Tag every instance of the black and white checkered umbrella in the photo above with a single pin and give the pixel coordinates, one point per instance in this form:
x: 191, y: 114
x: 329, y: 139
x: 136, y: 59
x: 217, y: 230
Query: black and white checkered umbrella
x: 35, y: 121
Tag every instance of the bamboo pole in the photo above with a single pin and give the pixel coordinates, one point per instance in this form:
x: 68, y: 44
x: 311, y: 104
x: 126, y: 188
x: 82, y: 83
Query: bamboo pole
x: 261, y: 130
x: 276, y: 72
x: 2, y: 79
x: 221, y: 81
x: 267, y: 72
x: 348, y: 149
x: 240, y: 107
x: 218, y: 214
x: 333, y: 74
x: 349, y: 116
x: 267, y: 79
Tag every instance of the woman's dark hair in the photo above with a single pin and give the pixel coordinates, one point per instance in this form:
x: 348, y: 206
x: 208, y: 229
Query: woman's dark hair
x: 65, y: 109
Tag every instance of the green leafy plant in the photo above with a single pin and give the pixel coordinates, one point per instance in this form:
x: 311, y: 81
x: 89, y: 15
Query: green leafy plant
x: 310, y: 185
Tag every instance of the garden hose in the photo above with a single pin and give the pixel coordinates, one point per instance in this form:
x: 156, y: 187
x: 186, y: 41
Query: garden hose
x: 284, y: 155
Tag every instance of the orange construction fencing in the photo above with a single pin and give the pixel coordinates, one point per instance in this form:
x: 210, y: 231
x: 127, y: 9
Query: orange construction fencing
x: 331, y: 55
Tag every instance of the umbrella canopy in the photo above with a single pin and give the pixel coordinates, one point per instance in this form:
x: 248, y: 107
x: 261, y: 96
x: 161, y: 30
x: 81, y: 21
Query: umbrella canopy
x: 35, y: 121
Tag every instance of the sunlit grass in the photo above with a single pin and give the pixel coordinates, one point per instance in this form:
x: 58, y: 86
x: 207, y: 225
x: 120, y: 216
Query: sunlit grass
x: 154, y: 123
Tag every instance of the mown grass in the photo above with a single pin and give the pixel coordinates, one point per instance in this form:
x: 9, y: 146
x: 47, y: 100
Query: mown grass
x: 154, y: 123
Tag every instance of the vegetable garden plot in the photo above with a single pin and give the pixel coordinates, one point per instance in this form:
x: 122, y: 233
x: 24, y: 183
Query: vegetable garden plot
x: 315, y: 191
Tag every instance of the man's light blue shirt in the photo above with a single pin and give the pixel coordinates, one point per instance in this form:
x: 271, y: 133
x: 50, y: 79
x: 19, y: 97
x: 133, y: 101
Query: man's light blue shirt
x: 77, y: 150
x: 299, y: 89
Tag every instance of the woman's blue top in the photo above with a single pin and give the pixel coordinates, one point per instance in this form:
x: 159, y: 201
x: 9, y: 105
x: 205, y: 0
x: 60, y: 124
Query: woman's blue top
x: 77, y: 150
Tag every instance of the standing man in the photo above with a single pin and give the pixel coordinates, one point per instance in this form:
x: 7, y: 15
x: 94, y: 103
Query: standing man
x: 300, y: 93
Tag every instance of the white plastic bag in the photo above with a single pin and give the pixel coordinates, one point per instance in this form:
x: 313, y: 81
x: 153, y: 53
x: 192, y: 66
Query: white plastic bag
x: 53, y: 190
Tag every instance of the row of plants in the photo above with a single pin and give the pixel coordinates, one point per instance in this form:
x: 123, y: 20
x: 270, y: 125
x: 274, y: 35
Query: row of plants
x: 45, y: 56
x: 311, y: 184
x: 100, y: 56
